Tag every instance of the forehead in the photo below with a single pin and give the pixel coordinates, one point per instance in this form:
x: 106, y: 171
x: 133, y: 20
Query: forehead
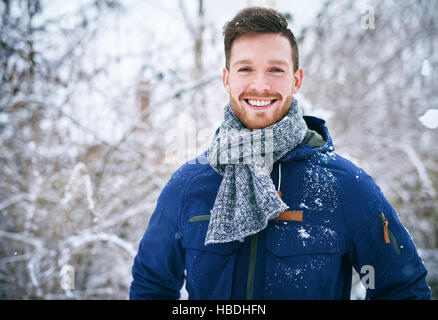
x: 261, y: 48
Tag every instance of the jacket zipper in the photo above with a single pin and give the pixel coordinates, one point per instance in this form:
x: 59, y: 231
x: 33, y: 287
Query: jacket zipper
x: 388, y: 235
x: 251, y: 267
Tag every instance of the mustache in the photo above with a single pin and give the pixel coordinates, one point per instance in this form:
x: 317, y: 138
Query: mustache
x: 251, y: 94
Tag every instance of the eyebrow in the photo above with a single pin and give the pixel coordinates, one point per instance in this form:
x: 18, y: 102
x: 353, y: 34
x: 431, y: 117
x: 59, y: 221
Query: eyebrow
x: 243, y: 61
x: 271, y: 62
x: 282, y: 62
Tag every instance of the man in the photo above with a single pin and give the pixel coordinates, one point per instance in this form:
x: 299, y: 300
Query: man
x: 270, y: 211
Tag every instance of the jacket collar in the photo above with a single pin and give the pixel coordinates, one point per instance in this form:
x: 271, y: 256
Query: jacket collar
x: 303, y: 151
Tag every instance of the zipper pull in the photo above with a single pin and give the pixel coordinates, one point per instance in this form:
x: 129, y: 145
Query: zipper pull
x: 385, y: 228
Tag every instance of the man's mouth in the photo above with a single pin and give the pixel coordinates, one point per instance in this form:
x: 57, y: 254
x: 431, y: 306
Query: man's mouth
x: 260, y: 104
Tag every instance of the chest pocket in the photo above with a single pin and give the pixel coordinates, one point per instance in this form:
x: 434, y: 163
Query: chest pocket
x: 288, y: 239
x: 301, y: 260
x: 209, y: 268
x: 194, y: 237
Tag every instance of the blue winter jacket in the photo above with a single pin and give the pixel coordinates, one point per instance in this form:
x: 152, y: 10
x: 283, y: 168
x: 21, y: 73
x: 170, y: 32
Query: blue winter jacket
x: 346, y: 222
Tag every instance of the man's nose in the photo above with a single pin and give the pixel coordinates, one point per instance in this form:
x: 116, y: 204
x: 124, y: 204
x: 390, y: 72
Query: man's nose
x: 259, y: 83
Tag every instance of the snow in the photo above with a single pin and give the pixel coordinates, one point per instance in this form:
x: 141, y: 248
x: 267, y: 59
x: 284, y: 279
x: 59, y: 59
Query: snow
x: 426, y: 68
x: 430, y: 119
x: 423, y: 175
x: 303, y: 233
x: 318, y: 201
x: 84, y: 239
x: 303, y: 206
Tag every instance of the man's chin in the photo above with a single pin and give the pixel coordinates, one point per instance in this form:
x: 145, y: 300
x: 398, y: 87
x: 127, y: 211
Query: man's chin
x: 258, y: 120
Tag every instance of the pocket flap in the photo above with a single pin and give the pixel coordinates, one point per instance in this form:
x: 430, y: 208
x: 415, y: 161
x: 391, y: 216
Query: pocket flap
x: 194, y: 238
x: 284, y: 239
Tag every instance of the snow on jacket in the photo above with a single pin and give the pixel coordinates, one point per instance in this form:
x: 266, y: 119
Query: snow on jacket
x: 340, y: 220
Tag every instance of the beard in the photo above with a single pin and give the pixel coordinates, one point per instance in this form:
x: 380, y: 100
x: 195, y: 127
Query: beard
x: 257, y: 119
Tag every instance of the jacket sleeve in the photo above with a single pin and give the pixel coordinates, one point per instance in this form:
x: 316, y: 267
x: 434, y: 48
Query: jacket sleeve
x: 380, y: 247
x: 158, y: 270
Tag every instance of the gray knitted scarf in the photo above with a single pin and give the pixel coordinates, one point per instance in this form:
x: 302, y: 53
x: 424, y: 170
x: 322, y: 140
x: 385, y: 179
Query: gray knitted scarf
x: 247, y: 198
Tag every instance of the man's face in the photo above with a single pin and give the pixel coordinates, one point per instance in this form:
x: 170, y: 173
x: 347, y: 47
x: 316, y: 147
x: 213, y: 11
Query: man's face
x: 261, y: 79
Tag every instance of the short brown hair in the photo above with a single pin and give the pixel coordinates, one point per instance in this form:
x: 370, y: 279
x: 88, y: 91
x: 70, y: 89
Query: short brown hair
x: 258, y: 20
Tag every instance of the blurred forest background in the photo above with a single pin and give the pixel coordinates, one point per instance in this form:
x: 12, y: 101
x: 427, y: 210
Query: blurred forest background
x: 101, y: 100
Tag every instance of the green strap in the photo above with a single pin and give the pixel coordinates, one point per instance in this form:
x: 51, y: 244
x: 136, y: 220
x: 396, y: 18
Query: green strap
x: 201, y: 217
x: 251, y: 268
x: 394, y: 242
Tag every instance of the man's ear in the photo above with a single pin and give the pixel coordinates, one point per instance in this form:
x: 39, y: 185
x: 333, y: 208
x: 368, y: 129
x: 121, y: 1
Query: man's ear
x: 298, y: 80
x: 226, y: 79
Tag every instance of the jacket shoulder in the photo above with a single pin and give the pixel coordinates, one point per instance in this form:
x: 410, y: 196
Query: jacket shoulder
x: 348, y: 174
x: 186, y: 173
x: 172, y: 199
x: 361, y: 197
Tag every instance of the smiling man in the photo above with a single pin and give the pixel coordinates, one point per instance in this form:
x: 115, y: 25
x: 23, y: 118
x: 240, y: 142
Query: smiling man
x: 270, y: 211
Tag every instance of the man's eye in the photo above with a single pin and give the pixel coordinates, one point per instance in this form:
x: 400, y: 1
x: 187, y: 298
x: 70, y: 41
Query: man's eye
x: 276, y: 70
x: 244, y: 69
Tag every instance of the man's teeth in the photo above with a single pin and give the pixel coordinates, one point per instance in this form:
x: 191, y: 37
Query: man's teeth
x: 259, y: 103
